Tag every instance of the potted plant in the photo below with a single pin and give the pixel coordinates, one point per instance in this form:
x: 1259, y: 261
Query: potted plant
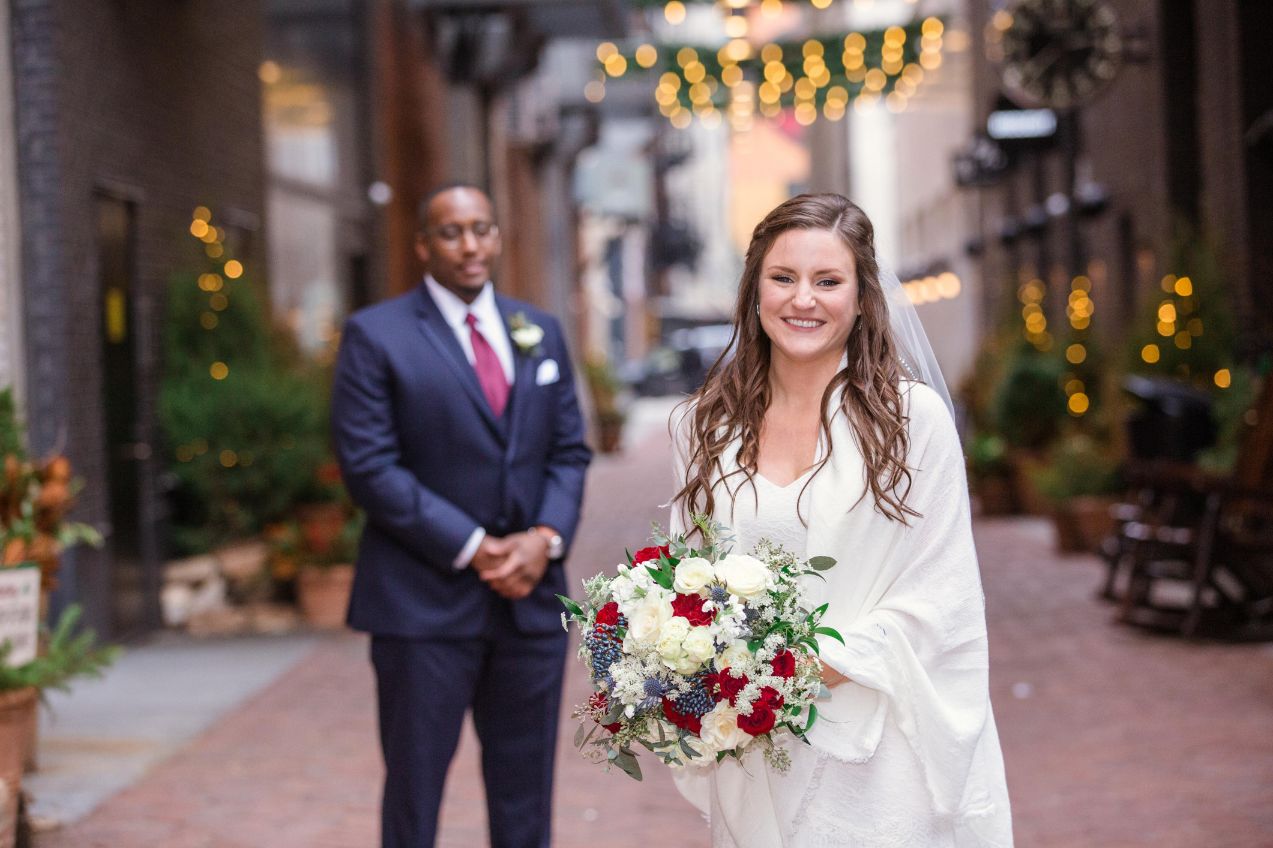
x: 605, y: 386
x: 990, y: 473
x: 66, y: 654
x: 1079, y: 480
x: 35, y: 498
x: 1029, y: 410
x: 244, y: 423
x: 324, y: 508
x: 323, y: 567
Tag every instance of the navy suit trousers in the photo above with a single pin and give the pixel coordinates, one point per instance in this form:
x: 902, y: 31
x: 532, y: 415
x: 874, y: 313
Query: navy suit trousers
x: 512, y: 682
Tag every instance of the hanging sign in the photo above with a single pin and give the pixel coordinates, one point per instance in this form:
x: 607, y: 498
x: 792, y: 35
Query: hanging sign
x: 19, y: 612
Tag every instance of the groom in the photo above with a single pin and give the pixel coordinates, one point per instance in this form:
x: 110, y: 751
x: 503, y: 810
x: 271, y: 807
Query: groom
x: 458, y: 432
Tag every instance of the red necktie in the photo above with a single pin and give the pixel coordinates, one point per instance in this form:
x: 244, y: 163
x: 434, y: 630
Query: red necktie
x: 490, y: 374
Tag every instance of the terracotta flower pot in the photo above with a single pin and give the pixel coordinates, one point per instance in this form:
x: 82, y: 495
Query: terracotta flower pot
x: 610, y: 434
x: 1093, y: 518
x: 996, y: 495
x: 1068, y: 538
x: 321, y: 525
x: 323, y: 594
x: 1025, y: 466
x: 1082, y: 523
x: 17, y: 714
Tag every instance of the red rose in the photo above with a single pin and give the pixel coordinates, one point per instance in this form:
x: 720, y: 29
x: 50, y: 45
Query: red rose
x: 599, y: 701
x: 608, y: 614
x: 725, y: 687
x: 784, y: 665
x: 761, y: 720
x: 647, y: 554
x: 770, y: 699
x: 685, y: 721
x: 690, y: 607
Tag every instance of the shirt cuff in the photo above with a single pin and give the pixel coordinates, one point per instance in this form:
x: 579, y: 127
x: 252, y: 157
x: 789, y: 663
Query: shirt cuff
x: 469, y: 550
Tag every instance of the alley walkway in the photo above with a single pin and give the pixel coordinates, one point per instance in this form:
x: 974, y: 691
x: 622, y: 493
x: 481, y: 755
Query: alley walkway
x: 1112, y: 737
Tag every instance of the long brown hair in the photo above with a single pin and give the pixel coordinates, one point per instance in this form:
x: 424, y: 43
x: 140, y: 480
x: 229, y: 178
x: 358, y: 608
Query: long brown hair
x: 732, y: 402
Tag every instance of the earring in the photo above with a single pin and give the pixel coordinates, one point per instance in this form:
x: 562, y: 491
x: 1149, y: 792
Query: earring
x: 757, y: 309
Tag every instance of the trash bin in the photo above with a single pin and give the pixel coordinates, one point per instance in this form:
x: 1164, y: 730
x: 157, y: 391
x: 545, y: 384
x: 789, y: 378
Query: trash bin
x: 1173, y: 422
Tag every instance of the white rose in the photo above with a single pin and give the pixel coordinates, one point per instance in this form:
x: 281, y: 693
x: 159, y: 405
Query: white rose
x: 673, y: 631
x: 651, y: 613
x: 743, y: 575
x: 640, y: 577
x: 720, y: 729
x: 528, y: 336
x: 683, y: 664
x: 736, y: 655
x: 692, y: 575
x: 699, y: 645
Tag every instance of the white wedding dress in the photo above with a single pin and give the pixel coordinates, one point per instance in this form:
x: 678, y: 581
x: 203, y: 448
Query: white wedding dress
x: 906, y: 754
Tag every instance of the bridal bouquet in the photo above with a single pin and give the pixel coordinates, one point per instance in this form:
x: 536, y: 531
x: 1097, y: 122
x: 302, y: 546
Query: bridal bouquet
x: 698, y: 654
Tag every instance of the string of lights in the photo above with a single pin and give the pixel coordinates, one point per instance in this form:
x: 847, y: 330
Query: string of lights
x: 1179, y: 324
x: 214, y: 285
x: 816, y: 75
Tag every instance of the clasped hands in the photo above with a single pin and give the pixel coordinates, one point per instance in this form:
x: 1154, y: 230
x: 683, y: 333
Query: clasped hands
x: 512, y: 565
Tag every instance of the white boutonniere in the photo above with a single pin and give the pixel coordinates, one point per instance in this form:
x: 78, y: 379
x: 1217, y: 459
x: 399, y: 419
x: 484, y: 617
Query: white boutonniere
x: 525, y: 335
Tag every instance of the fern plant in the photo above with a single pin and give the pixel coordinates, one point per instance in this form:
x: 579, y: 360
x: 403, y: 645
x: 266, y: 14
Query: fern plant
x: 67, y: 655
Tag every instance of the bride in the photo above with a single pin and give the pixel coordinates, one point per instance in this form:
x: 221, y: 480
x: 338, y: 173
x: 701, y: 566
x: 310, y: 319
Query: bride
x: 829, y: 432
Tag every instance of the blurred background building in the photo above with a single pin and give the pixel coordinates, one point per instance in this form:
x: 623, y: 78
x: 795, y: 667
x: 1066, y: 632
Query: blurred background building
x: 1036, y: 174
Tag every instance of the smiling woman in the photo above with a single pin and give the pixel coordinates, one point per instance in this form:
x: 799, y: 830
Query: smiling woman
x: 850, y: 455
x: 808, y: 296
x: 810, y: 311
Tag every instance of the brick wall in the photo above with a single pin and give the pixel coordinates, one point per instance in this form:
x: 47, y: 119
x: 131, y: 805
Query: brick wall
x: 155, y: 102
x: 1165, y: 138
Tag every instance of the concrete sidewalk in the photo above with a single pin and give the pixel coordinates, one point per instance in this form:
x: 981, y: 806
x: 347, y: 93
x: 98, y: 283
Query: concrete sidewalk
x: 104, y: 735
x: 1112, y: 737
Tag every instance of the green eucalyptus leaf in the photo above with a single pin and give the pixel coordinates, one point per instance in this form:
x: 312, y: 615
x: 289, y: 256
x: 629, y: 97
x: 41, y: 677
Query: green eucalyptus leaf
x: 571, y: 607
x: 821, y: 563
x: 627, y: 761
x: 831, y: 632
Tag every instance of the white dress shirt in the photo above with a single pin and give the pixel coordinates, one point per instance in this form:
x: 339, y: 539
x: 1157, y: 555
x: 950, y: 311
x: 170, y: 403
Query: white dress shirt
x: 489, y: 322
x: 491, y: 325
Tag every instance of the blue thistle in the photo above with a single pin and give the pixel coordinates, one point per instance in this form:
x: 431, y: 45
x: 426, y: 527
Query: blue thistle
x: 655, y: 689
x: 604, y: 647
x: 698, y: 702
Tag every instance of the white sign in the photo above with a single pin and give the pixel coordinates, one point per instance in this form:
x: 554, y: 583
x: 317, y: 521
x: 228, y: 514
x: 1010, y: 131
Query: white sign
x: 19, y: 612
x: 1021, y: 123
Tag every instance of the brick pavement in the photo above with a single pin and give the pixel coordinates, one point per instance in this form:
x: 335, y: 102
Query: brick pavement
x: 1112, y: 737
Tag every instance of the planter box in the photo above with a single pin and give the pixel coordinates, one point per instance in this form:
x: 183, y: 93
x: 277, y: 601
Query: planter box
x: 17, y: 716
x: 1025, y: 466
x: 996, y: 495
x: 610, y: 435
x: 1082, y: 523
x: 323, y: 594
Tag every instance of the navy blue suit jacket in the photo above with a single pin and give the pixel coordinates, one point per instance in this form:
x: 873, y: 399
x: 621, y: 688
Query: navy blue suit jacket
x: 422, y: 453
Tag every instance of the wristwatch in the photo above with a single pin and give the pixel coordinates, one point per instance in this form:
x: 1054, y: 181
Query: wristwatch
x: 556, y: 544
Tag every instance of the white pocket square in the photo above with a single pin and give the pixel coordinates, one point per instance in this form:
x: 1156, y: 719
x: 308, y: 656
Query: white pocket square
x: 547, y: 373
